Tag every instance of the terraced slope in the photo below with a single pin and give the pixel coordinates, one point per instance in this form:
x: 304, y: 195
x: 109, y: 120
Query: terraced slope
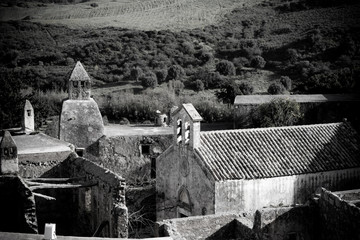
x: 143, y: 15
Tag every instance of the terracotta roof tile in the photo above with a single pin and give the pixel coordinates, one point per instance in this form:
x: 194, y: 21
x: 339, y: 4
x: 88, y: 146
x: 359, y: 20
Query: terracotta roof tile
x: 282, y: 151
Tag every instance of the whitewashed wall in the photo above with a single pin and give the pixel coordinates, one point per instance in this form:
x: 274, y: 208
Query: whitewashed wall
x: 235, y: 195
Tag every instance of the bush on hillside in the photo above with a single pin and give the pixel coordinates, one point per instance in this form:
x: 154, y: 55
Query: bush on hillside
x: 175, y: 72
x: 149, y: 80
x: 258, y: 62
x: 275, y: 89
x: 225, y: 68
x: 286, y: 82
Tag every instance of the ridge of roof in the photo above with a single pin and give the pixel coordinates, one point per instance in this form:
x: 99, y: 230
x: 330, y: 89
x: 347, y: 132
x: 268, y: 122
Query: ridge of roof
x: 273, y: 128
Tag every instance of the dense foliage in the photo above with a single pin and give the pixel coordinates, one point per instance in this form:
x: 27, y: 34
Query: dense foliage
x: 315, y: 58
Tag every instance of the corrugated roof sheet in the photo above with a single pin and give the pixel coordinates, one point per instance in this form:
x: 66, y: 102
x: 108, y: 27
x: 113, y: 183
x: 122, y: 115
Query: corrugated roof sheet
x: 306, y: 98
x: 281, y: 151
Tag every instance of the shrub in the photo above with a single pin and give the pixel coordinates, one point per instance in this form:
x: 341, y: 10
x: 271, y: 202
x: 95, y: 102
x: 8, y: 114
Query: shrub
x: 286, y: 82
x: 278, y: 112
x: 136, y: 73
x: 246, y: 88
x: 258, y: 62
x: 275, y: 89
x: 198, y: 85
x: 175, y: 72
x: 225, y: 68
x: 149, y: 80
x: 161, y: 75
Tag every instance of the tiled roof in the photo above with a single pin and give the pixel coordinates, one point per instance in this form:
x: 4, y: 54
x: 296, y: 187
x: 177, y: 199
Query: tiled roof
x: 306, y: 98
x: 281, y: 151
x: 79, y: 73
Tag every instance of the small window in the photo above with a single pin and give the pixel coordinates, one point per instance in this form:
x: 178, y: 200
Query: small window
x: 145, y: 149
x: 6, y: 152
x: 75, y: 83
x: 179, y: 131
x: 80, y: 151
x: 28, y: 113
x: 11, y: 151
x: 153, y: 168
x: 82, y: 83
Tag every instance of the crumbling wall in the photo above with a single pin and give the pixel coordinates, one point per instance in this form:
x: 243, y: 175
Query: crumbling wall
x: 299, y: 222
x: 204, y: 227
x: 17, y: 206
x: 339, y: 219
x: 131, y: 156
x: 97, y: 208
x: 103, y: 203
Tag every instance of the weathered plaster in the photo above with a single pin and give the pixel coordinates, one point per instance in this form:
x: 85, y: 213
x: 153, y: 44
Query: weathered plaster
x: 280, y: 191
x: 81, y: 123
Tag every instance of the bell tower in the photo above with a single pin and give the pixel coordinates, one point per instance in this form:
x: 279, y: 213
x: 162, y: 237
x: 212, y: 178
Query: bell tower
x: 9, y: 163
x: 80, y: 121
x: 79, y: 83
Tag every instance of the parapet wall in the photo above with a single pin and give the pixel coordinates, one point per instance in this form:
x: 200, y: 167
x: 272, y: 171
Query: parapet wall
x: 339, y: 218
x: 298, y: 222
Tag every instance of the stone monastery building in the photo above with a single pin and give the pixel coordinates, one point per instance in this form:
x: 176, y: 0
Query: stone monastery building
x: 244, y: 170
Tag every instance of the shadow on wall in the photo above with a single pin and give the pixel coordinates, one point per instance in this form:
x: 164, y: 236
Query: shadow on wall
x: 332, y: 167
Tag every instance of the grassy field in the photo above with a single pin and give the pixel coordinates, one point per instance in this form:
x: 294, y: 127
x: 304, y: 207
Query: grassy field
x: 144, y: 15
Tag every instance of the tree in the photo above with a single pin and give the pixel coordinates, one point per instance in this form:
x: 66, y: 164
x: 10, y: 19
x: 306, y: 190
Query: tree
x: 278, y: 112
x: 286, y: 82
x: 161, y: 75
x: 149, y: 80
x: 275, y: 89
x: 228, y: 91
x: 258, y: 62
x: 175, y: 72
x: 225, y: 68
x: 136, y: 73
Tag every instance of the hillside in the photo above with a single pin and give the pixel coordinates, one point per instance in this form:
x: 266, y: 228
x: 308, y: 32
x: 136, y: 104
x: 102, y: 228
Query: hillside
x: 141, y: 15
x: 315, y: 46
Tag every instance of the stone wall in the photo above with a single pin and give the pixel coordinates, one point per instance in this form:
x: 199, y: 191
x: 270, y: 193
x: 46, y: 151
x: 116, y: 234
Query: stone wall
x: 87, y: 209
x: 179, y: 171
x: 280, y: 191
x: 17, y: 206
x: 131, y: 156
x: 299, y: 222
x: 339, y: 218
x: 81, y: 122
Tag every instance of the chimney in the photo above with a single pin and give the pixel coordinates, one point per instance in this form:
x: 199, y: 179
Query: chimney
x: 28, y: 118
x: 9, y: 163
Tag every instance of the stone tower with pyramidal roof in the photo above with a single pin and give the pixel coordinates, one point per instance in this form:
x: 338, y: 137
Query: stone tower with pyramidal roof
x: 80, y: 122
